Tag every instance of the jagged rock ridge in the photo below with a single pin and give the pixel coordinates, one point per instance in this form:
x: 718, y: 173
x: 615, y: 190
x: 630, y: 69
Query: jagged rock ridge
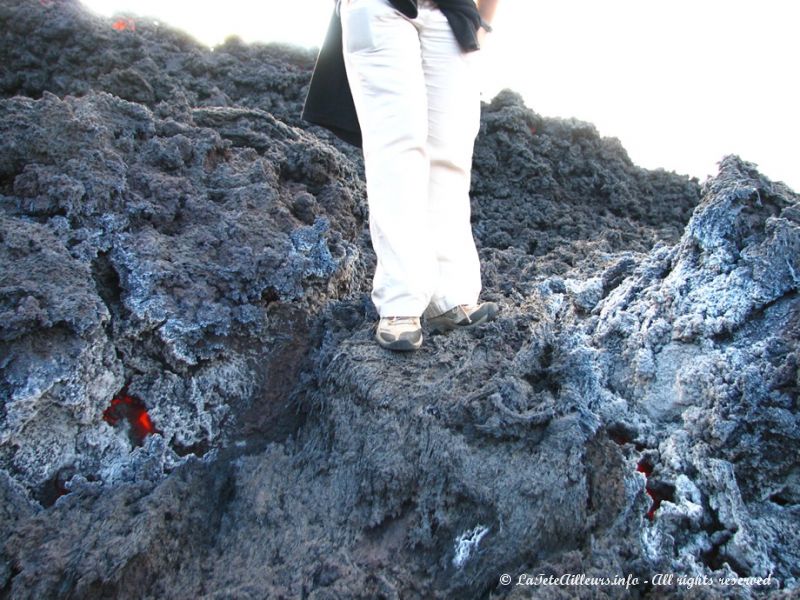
x: 170, y: 229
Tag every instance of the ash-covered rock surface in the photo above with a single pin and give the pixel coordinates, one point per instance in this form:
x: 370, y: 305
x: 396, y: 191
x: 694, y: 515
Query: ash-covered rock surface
x: 192, y: 403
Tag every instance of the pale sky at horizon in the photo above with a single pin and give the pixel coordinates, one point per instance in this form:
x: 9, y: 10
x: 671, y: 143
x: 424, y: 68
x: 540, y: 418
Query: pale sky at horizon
x: 681, y: 83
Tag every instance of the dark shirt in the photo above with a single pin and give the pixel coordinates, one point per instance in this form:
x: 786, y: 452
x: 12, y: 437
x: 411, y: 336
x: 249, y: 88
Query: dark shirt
x: 329, y: 102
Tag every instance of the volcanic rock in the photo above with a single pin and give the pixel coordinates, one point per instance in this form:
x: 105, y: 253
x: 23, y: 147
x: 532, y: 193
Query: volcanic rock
x: 193, y: 404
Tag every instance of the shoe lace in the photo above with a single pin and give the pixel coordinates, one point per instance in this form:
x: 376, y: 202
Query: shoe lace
x: 463, y: 311
x: 401, y: 320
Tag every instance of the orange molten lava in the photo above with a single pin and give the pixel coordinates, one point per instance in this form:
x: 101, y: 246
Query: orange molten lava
x: 124, y: 406
x: 123, y: 24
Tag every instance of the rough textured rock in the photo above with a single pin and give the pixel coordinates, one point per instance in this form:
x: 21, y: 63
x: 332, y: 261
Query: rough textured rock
x: 67, y: 50
x: 193, y: 404
x: 174, y: 264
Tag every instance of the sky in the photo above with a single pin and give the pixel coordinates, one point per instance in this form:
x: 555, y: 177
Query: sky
x: 681, y: 83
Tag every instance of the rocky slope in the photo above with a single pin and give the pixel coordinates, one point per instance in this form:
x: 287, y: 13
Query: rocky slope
x: 193, y: 404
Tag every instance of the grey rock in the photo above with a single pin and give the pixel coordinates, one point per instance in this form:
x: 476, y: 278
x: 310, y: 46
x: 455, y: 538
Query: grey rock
x: 193, y: 404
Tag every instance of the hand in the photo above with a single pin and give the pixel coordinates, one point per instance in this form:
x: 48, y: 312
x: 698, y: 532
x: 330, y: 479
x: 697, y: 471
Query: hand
x: 482, y: 33
x: 486, y: 8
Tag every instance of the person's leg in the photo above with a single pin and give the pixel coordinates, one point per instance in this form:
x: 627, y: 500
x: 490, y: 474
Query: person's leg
x: 382, y: 56
x: 453, y: 93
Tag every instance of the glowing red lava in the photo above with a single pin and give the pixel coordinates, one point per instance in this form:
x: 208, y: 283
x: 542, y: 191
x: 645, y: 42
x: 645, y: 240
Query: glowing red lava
x: 645, y: 467
x: 134, y: 411
x: 123, y: 24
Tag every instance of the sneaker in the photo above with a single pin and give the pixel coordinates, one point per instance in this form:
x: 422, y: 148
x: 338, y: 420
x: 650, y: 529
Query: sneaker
x: 463, y: 317
x: 399, y: 333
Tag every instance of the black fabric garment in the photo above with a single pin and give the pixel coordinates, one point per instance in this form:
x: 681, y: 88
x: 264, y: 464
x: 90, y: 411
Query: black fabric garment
x: 463, y: 16
x: 329, y: 102
x: 464, y: 19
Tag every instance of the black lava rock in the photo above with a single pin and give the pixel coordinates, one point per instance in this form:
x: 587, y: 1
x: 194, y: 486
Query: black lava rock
x: 192, y: 403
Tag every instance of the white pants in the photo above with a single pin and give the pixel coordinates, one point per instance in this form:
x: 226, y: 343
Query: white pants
x: 418, y: 102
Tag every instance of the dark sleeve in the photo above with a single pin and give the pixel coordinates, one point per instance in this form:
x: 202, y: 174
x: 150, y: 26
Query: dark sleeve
x: 329, y: 102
